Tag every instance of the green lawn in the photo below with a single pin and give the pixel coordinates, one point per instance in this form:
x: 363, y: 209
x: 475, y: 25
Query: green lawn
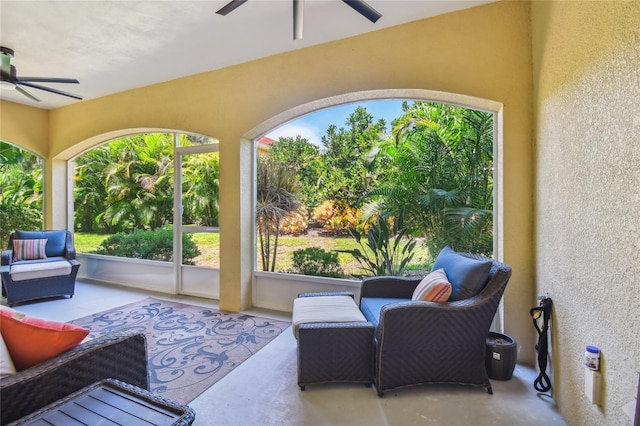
x: 86, y: 243
x: 209, y: 245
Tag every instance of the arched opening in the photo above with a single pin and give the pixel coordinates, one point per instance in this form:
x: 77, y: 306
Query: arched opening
x: 277, y: 292
x: 145, y: 208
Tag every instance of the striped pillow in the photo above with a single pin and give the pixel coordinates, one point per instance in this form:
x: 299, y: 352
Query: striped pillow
x: 435, y: 287
x: 29, y: 249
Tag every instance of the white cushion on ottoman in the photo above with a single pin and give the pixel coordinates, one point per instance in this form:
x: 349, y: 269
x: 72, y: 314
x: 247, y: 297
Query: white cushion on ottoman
x: 29, y: 271
x: 319, y: 309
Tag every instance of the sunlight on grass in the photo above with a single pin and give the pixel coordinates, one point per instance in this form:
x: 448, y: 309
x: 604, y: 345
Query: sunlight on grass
x: 209, y: 245
x: 86, y: 243
x: 287, y: 245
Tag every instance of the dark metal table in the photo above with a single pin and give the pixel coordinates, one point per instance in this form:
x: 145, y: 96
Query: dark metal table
x: 111, y: 402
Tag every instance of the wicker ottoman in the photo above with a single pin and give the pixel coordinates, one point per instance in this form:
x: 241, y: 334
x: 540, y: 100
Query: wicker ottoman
x: 335, y: 341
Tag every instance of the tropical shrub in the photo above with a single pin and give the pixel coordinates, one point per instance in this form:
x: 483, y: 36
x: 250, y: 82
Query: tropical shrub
x: 305, y: 159
x: 337, y: 217
x: 295, y: 223
x: 349, y: 170
x: 277, y: 196
x: 317, y: 262
x: 201, y: 189
x: 17, y: 216
x: 440, y: 176
x: 387, y: 251
x: 126, y: 184
x: 20, y: 191
x: 323, y: 212
x: 151, y: 245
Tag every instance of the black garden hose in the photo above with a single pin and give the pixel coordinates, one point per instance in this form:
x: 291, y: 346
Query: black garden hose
x: 542, y: 383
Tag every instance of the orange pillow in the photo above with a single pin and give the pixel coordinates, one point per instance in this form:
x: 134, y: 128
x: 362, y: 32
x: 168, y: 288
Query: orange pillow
x: 31, y: 341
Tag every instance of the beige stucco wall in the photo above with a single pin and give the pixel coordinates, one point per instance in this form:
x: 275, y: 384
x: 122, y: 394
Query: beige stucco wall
x: 25, y: 126
x: 482, y: 52
x: 586, y: 58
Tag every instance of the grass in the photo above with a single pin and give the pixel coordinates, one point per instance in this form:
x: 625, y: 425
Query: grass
x: 209, y: 245
x: 85, y: 242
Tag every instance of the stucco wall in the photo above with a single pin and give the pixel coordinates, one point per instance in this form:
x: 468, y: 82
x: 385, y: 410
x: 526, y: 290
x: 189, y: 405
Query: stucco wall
x: 484, y: 52
x: 25, y: 126
x: 586, y: 58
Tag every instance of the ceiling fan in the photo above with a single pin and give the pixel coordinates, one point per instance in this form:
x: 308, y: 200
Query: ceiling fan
x: 10, y: 80
x: 358, y: 5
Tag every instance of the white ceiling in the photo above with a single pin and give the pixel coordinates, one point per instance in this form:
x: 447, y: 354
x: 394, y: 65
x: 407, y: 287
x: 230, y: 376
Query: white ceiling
x: 112, y: 46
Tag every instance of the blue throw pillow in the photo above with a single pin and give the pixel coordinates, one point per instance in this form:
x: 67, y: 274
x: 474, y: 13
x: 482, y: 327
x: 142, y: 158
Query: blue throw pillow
x: 55, y: 244
x: 467, y: 276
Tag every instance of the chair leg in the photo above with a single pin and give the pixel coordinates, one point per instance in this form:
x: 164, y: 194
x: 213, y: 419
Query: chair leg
x: 489, y: 390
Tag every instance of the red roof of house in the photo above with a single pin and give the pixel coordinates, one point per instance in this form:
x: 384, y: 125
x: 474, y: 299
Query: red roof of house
x: 266, y: 141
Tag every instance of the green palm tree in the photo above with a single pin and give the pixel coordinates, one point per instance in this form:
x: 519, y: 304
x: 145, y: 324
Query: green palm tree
x: 201, y: 189
x: 139, y: 184
x: 441, y: 176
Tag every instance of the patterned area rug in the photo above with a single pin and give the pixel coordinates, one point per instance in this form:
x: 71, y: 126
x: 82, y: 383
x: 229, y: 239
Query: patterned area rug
x: 189, y: 347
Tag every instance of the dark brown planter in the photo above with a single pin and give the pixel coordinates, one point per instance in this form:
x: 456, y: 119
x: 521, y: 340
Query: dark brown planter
x: 501, y: 356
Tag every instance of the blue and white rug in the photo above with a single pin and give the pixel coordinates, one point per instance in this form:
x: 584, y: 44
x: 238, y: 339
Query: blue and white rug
x: 189, y: 347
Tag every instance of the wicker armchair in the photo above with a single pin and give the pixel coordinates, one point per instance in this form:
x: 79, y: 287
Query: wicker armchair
x: 59, y: 251
x: 120, y: 355
x: 420, y: 342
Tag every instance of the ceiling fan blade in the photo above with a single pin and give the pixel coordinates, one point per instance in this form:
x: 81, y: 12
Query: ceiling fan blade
x: 230, y: 7
x: 27, y: 94
x: 298, y: 19
x: 48, y: 80
x: 48, y: 89
x: 364, y: 9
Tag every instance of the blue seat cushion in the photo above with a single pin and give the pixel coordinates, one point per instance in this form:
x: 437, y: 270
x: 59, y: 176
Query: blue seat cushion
x: 56, y: 240
x: 370, y: 307
x: 467, y: 276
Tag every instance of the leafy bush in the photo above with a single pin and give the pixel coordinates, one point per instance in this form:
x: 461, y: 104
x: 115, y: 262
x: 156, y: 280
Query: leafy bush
x: 151, y: 245
x: 323, y: 212
x: 337, y: 217
x: 317, y: 262
x: 381, y: 256
x: 17, y: 216
x: 294, y: 223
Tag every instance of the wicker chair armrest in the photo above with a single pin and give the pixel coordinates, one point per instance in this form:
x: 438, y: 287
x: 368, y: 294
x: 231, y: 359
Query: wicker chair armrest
x: 120, y: 355
x: 7, y: 257
x: 389, y: 287
x: 69, y: 249
x: 327, y: 293
x: 70, y: 253
x: 416, y: 323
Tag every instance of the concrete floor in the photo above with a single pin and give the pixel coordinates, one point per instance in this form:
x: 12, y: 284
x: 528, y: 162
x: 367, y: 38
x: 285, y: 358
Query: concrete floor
x: 262, y: 391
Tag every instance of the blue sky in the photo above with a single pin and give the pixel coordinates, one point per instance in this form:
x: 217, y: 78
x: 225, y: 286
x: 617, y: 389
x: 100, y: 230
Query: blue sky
x: 313, y: 126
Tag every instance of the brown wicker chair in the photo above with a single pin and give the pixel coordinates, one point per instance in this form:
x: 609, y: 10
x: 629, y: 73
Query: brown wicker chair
x: 120, y: 355
x: 425, y: 342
